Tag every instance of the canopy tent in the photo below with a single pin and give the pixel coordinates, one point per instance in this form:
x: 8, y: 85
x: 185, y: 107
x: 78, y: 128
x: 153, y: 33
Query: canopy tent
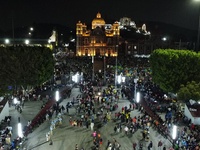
x: 192, y: 111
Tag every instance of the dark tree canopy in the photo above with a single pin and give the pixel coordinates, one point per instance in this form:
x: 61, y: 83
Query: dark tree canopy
x: 189, y: 91
x: 25, y: 66
x: 171, y: 68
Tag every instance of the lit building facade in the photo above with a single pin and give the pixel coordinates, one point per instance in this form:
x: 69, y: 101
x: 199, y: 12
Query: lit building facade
x: 101, y: 40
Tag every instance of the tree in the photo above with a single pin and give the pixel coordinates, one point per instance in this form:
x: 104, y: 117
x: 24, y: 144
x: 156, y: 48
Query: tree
x: 189, y: 91
x: 25, y: 66
x: 171, y: 68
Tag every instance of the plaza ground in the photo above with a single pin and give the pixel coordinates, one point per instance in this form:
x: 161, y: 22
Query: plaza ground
x: 65, y: 136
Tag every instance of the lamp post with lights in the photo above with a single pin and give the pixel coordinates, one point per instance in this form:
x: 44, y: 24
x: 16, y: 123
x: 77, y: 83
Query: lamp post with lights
x: 57, y: 96
x: 135, y: 93
x: 198, y: 35
x: 174, y: 134
x: 116, y: 66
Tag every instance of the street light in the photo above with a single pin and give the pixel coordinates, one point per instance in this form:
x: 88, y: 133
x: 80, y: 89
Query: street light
x: 20, y: 133
x: 15, y: 101
x: 27, y: 42
x: 164, y: 39
x: 57, y: 96
x: 7, y: 41
x: 135, y: 81
x: 93, y: 60
x: 31, y: 29
x: 138, y: 97
x: 104, y: 71
x: 198, y: 35
x: 116, y: 66
x: 119, y: 79
x: 174, y: 134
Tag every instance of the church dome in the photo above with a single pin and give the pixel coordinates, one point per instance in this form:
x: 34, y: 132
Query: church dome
x: 98, y: 21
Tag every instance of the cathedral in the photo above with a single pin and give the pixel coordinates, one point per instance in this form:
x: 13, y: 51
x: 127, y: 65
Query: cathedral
x: 101, y: 40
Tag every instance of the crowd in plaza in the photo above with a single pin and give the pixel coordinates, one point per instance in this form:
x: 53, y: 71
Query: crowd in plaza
x: 97, y: 106
x: 94, y: 111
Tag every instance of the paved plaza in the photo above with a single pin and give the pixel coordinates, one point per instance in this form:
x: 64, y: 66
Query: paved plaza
x: 65, y: 136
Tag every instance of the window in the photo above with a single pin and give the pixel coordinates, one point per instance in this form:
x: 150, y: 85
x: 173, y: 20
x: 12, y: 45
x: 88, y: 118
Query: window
x: 86, y: 41
x: 109, y: 40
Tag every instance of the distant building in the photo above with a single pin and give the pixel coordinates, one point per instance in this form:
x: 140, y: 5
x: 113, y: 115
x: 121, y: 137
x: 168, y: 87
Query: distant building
x: 25, y: 42
x: 125, y: 21
x: 101, y: 40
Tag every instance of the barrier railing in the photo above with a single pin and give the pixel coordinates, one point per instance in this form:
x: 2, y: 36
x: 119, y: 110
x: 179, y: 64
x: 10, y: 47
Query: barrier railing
x: 40, y: 115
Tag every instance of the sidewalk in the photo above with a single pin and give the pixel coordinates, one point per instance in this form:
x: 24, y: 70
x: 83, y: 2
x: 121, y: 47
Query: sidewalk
x: 30, y: 110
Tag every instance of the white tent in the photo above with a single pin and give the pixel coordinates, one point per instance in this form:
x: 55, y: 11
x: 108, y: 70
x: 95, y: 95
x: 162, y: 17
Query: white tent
x: 192, y: 111
x: 4, y: 108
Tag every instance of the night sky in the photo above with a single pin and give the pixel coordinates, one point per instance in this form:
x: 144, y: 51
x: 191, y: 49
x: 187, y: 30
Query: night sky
x: 183, y: 13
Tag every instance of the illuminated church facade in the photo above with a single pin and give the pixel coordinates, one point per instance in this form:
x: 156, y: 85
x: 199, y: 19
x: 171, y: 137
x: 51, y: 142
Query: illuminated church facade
x: 101, y: 40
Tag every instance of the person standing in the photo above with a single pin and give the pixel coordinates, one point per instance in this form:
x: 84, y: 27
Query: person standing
x: 87, y: 124
x: 130, y: 106
x: 159, y: 145
x: 92, y: 126
x: 126, y: 130
x: 108, y: 143
x: 164, y: 148
x: 115, y: 129
x: 76, y: 147
x: 67, y: 109
x: 150, y: 145
x: 100, y: 142
x: 134, y: 146
x: 8, y: 121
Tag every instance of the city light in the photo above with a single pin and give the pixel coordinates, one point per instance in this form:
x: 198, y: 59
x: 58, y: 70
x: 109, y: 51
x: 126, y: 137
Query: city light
x: 7, y: 41
x: 135, y: 81
x: 164, y: 39
x: 57, y: 96
x: 198, y: 35
x: 20, y: 133
x: 27, y: 42
x: 76, y: 78
x: 123, y: 79
x: 31, y: 29
x: 15, y: 101
x: 138, y: 97
x: 174, y: 132
x: 119, y: 79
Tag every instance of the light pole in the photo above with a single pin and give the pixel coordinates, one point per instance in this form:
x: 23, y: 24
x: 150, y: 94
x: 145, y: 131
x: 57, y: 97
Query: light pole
x: 135, y: 93
x: 138, y: 97
x: 7, y: 41
x: 174, y: 134
x: 104, y: 72
x: 93, y: 61
x: 116, y: 66
x: 20, y: 132
x: 198, y: 35
x: 57, y: 96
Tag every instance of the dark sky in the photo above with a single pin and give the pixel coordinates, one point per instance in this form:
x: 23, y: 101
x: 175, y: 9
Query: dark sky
x: 68, y: 12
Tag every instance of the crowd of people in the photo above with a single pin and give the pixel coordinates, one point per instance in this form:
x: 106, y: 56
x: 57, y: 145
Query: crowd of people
x: 96, y: 106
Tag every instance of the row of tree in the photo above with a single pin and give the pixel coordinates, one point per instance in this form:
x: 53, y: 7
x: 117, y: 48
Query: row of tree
x: 177, y: 71
x: 24, y: 66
